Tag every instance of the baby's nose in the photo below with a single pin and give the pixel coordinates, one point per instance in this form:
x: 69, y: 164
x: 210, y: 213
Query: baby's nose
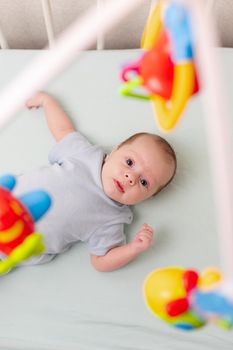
x: 130, y: 178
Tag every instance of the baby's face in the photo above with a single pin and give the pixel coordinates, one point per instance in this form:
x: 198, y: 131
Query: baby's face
x: 135, y: 171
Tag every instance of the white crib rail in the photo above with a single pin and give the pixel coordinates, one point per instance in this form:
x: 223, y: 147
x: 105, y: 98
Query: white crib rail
x: 48, y: 18
x: 100, y: 34
x: 3, y: 41
x: 217, y: 120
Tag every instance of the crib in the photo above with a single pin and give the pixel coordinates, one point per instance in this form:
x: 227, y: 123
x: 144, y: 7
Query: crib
x: 66, y: 304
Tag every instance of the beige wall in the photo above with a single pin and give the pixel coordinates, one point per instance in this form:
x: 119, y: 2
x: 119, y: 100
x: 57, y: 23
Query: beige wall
x: 22, y: 22
x: 223, y: 10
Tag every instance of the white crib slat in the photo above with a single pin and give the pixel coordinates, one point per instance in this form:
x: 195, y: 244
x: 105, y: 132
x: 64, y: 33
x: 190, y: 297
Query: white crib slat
x: 100, y: 35
x: 47, y: 12
x: 3, y: 41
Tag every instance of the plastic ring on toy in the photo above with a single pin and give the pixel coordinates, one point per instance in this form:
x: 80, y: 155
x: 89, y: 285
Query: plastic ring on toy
x: 127, y: 88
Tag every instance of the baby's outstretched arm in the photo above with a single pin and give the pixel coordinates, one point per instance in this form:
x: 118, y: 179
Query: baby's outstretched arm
x: 58, y: 121
x: 120, y: 256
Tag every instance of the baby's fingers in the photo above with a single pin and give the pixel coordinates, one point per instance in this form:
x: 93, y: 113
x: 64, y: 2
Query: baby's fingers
x: 146, y: 227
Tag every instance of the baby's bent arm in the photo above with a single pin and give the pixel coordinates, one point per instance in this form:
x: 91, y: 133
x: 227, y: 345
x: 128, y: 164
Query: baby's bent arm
x: 120, y: 256
x: 115, y: 258
x: 58, y: 121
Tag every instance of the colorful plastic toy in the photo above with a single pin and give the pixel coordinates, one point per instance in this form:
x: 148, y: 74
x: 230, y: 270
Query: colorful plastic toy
x: 166, y: 72
x: 18, y: 241
x: 187, y: 300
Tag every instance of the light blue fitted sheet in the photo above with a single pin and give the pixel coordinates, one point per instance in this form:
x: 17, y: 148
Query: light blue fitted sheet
x: 66, y: 304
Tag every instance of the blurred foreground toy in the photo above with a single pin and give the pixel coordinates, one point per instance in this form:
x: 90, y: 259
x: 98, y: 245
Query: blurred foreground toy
x: 187, y: 300
x: 18, y: 241
x: 166, y: 72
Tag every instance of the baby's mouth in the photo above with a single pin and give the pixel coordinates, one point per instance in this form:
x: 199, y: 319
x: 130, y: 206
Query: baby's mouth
x: 119, y: 186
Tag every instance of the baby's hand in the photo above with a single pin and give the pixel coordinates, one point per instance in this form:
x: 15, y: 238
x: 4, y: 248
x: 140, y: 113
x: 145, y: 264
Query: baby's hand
x: 143, y: 239
x: 36, y: 100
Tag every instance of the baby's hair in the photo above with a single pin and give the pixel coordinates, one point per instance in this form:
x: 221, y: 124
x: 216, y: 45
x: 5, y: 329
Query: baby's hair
x: 165, y: 146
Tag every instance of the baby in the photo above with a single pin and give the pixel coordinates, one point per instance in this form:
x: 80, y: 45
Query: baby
x: 92, y: 192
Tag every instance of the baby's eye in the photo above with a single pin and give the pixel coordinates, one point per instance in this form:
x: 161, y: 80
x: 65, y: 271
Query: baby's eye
x: 129, y: 162
x: 144, y: 183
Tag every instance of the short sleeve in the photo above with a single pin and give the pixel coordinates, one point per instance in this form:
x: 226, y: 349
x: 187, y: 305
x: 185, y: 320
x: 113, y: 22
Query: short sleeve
x: 106, y: 238
x: 71, y: 146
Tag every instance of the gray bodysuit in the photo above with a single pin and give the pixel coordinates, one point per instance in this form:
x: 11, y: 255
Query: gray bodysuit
x: 80, y: 209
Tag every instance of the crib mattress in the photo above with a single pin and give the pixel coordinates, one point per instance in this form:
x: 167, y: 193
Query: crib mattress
x: 66, y: 304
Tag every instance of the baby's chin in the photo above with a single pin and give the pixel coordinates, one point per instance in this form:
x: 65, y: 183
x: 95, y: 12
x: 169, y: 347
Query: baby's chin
x: 119, y: 199
x: 123, y: 201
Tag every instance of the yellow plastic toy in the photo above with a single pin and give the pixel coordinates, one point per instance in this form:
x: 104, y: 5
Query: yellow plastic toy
x: 166, y: 71
x: 188, y: 300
